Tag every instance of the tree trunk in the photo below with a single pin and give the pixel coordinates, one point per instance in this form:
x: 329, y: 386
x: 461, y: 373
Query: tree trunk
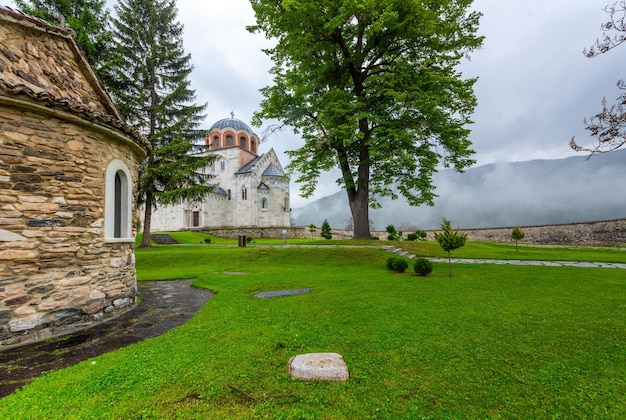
x: 145, y: 240
x: 359, y: 206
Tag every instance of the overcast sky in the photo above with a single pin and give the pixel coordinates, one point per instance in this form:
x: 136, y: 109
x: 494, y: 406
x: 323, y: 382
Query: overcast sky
x: 535, y: 86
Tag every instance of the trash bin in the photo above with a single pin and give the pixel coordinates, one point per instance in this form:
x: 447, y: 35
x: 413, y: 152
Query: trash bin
x: 241, y: 240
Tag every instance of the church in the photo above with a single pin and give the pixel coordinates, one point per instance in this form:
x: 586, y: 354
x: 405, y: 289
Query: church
x: 251, y: 190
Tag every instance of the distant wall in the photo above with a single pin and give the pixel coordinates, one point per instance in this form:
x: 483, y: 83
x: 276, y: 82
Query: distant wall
x: 604, y: 232
x: 296, y: 232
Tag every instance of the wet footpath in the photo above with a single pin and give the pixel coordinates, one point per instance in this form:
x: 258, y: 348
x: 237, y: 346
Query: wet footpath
x: 162, y: 306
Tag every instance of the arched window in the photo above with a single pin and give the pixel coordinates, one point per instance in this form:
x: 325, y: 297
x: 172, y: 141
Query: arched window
x: 222, y: 166
x: 286, y: 203
x: 242, y: 142
x: 252, y: 146
x: 118, y: 203
x: 229, y: 141
x: 228, y: 195
x: 117, y: 224
x: 244, y: 193
x: 216, y: 142
x: 264, y: 203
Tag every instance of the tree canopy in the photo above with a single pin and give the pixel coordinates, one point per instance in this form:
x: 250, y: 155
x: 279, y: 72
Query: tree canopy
x: 609, y: 125
x: 153, y: 93
x: 373, y: 89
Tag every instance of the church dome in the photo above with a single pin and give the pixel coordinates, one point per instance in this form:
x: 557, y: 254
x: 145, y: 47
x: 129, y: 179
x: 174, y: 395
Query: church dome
x: 233, y: 123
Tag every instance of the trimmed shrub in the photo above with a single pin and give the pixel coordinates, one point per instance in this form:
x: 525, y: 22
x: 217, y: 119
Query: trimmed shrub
x: 390, y: 262
x: 422, y: 267
x: 400, y: 265
x: 411, y: 237
x: 397, y: 264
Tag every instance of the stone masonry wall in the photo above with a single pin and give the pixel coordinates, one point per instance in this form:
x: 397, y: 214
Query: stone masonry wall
x: 56, y: 269
x: 603, y: 232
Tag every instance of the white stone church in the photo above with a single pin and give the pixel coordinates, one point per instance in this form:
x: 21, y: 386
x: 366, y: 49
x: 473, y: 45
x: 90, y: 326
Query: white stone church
x: 250, y: 190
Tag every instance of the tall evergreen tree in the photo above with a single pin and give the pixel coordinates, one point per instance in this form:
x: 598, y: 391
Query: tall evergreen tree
x: 88, y: 18
x: 154, y: 95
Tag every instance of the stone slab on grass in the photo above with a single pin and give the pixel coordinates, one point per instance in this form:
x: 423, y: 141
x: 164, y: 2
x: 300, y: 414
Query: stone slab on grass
x: 319, y: 367
x: 265, y: 295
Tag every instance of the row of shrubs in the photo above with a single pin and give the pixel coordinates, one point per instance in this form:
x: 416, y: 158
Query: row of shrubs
x: 421, y: 267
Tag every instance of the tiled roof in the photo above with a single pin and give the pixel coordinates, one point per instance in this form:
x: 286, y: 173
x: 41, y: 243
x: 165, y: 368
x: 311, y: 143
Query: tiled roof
x: 272, y: 170
x: 219, y: 190
x: 248, y: 166
x: 262, y: 186
x: 44, y: 63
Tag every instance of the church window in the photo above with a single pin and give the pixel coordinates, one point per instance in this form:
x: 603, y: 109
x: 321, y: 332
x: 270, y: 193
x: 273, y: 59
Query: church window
x: 252, y: 146
x: 222, y: 166
x: 242, y: 142
x: 228, y: 195
x: 118, y: 202
x: 216, y: 142
x: 286, y: 203
x: 244, y: 193
x: 264, y: 203
x: 229, y: 141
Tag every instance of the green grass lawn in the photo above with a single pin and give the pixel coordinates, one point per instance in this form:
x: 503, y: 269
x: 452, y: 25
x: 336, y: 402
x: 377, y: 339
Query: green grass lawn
x: 490, y: 342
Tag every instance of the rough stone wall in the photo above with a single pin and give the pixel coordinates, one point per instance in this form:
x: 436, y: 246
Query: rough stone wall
x: 56, y: 269
x: 603, y: 232
x: 260, y: 232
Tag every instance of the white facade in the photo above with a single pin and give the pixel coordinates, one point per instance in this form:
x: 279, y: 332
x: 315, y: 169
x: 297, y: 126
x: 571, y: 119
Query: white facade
x: 250, y: 190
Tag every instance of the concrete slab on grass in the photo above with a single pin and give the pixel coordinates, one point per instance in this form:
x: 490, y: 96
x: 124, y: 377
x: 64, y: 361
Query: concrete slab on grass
x: 265, y: 295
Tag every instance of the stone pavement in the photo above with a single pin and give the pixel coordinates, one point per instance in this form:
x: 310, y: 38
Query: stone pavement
x: 162, y: 306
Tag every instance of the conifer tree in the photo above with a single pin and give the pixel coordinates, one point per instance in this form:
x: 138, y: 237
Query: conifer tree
x: 326, y: 231
x: 153, y: 93
x: 449, y: 240
x: 88, y: 18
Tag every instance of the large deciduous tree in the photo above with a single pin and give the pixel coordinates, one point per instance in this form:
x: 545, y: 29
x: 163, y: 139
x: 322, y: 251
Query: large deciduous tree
x: 155, y: 96
x: 373, y: 89
x: 609, y: 125
x: 89, y: 19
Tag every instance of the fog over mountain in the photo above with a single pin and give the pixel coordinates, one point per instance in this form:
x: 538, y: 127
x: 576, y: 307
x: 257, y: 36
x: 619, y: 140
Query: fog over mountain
x: 537, y: 192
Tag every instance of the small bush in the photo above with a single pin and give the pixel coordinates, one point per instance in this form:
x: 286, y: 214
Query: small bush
x: 422, y: 267
x: 397, y: 264
x: 207, y: 240
x: 421, y: 234
x: 394, y: 235
x: 248, y: 239
x: 411, y: 237
x: 390, y: 262
x: 400, y: 265
x: 375, y: 238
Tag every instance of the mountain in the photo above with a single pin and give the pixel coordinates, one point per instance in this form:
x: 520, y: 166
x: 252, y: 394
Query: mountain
x: 537, y: 192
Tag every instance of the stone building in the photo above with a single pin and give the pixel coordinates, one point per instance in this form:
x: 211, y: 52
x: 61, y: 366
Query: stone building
x: 251, y: 190
x: 67, y: 186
